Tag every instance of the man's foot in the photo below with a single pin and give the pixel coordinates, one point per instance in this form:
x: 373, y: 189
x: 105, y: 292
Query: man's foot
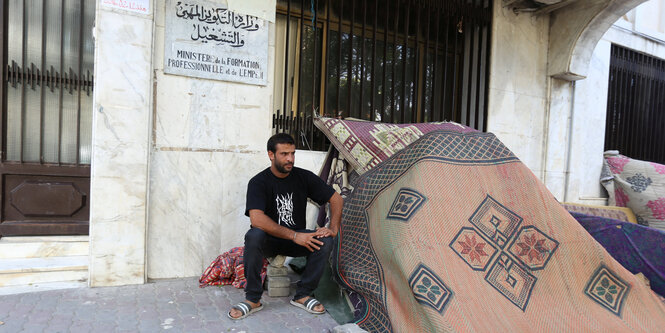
x: 244, y: 309
x: 309, y: 304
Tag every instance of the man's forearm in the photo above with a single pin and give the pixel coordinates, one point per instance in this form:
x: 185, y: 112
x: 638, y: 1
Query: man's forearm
x: 262, y: 221
x: 336, y: 204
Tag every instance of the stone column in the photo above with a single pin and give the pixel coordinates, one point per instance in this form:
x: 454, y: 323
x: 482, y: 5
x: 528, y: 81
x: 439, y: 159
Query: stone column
x: 120, y: 141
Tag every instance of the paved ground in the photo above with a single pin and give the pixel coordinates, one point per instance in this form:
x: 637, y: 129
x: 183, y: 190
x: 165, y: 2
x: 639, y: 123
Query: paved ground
x: 164, y: 306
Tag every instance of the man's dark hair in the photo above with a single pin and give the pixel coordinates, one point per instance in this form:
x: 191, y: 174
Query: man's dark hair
x: 279, y: 138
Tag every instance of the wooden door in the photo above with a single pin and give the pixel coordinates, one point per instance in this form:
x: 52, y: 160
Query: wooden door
x: 47, y: 87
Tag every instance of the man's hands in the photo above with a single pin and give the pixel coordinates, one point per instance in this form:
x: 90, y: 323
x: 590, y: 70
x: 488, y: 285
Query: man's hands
x: 308, y: 240
x: 324, y: 232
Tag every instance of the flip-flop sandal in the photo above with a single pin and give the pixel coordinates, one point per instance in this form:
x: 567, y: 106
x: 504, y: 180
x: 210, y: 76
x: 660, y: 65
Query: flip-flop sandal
x: 309, y: 305
x: 245, y: 308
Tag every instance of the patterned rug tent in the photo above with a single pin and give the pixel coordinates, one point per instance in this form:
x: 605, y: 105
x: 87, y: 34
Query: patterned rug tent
x: 454, y: 233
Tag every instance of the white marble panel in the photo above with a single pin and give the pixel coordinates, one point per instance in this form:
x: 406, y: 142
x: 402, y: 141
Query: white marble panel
x: 519, y: 53
x: 122, y: 73
x: 117, y: 253
x: 517, y: 120
x: 121, y: 124
x: 518, y: 87
x: 206, y: 114
x: 196, y: 209
x: 238, y: 170
x: 588, y: 136
x: 197, y: 204
x: 558, y: 136
x: 168, y: 219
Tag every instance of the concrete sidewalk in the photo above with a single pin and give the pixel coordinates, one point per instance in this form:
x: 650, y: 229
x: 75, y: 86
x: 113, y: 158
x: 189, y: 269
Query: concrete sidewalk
x: 177, y: 305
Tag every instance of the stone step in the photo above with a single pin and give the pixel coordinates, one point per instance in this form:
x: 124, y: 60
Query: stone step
x: 45, y: 286
x: 43, y: 247
x: 27, y: 271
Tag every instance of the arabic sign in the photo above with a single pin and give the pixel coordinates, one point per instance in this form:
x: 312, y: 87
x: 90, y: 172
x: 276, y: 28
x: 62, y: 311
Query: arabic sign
x: 138, y: 6
x: 207, y: 40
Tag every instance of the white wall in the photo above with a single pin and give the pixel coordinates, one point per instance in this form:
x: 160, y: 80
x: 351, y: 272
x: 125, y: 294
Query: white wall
x: 120, y: 146
x: 209, y: 140
x: 518, y: 88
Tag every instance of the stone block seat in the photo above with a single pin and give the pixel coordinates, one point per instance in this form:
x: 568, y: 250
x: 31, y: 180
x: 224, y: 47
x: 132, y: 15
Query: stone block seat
x: 278, y: 283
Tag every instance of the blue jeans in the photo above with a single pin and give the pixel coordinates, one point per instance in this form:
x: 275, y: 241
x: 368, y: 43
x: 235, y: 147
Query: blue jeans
x: 260, y: 245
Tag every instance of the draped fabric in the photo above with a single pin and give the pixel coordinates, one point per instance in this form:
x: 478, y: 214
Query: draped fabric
x: 638, y: 248
x: 454, y: 233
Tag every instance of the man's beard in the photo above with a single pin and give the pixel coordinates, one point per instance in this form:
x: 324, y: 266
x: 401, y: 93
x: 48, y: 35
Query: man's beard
x: 281, y: 167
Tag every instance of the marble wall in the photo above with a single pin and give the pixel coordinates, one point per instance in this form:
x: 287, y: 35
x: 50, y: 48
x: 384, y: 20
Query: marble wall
x: 518, y: 88
x: 209, y: 139
x: 120, y: 141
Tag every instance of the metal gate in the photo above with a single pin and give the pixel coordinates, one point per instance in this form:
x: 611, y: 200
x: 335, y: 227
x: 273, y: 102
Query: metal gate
x: 47, y: 87
x: 636, y: 105
x: 393, y: 61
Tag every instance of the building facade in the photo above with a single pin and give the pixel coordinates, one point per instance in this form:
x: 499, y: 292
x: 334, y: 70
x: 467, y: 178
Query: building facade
x: 170, y: 154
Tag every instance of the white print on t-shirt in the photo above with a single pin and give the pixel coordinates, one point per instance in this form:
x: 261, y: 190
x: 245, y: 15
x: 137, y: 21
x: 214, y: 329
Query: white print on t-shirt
x: 285, y: 209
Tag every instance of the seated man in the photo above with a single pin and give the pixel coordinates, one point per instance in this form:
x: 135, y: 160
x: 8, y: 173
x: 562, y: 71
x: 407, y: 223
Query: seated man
x: 276, y: 202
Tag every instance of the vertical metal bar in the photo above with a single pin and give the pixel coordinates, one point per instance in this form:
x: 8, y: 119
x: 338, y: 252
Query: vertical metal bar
x: 622, y: 120
x: 453, y: 105
x: 630, y: 105
x: 349, y: 81
x: 60, y: 79
x: 486, y: 49
x: 623, y: 88
x: 639, y: 86
x: 422, y: 96
x: 372, y: 111
x: 658, y: 126
x: 445, y: 107
x: 339, y: 60
x: 466, y: 63
x: 4, y: 4
x: 310, y: 130
x: 660, y: 123
x: 394, y: 60
x: 416, y: 60
x: 473, y: 68
x: 435, y: 56
x: 297, y: 125
x: 621, y: 91
x: 42, y: 82
x: 286, y: 58
x: 643, y: 128
x: 327, y: 59
x: 23, y: 76
x: 648, y: 100
x: 621, y: 105
x: 362, y: 62
x: 405, y: 55
x: 610, y: 102
x: 78, y: 85
x: 384, y: 95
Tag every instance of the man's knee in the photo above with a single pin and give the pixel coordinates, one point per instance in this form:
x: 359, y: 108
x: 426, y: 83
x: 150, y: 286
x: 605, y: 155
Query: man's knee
x: 328, y: 243
x: 254, y: 237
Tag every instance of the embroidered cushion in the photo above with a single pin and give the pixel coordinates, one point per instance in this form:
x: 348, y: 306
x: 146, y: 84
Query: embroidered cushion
x: 638, y: 185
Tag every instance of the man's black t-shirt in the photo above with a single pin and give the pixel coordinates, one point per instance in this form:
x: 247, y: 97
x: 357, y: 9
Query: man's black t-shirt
x: 284, y: 200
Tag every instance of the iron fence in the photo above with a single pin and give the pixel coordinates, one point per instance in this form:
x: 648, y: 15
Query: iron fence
x: 636, y: 105
x: 395, y: 61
